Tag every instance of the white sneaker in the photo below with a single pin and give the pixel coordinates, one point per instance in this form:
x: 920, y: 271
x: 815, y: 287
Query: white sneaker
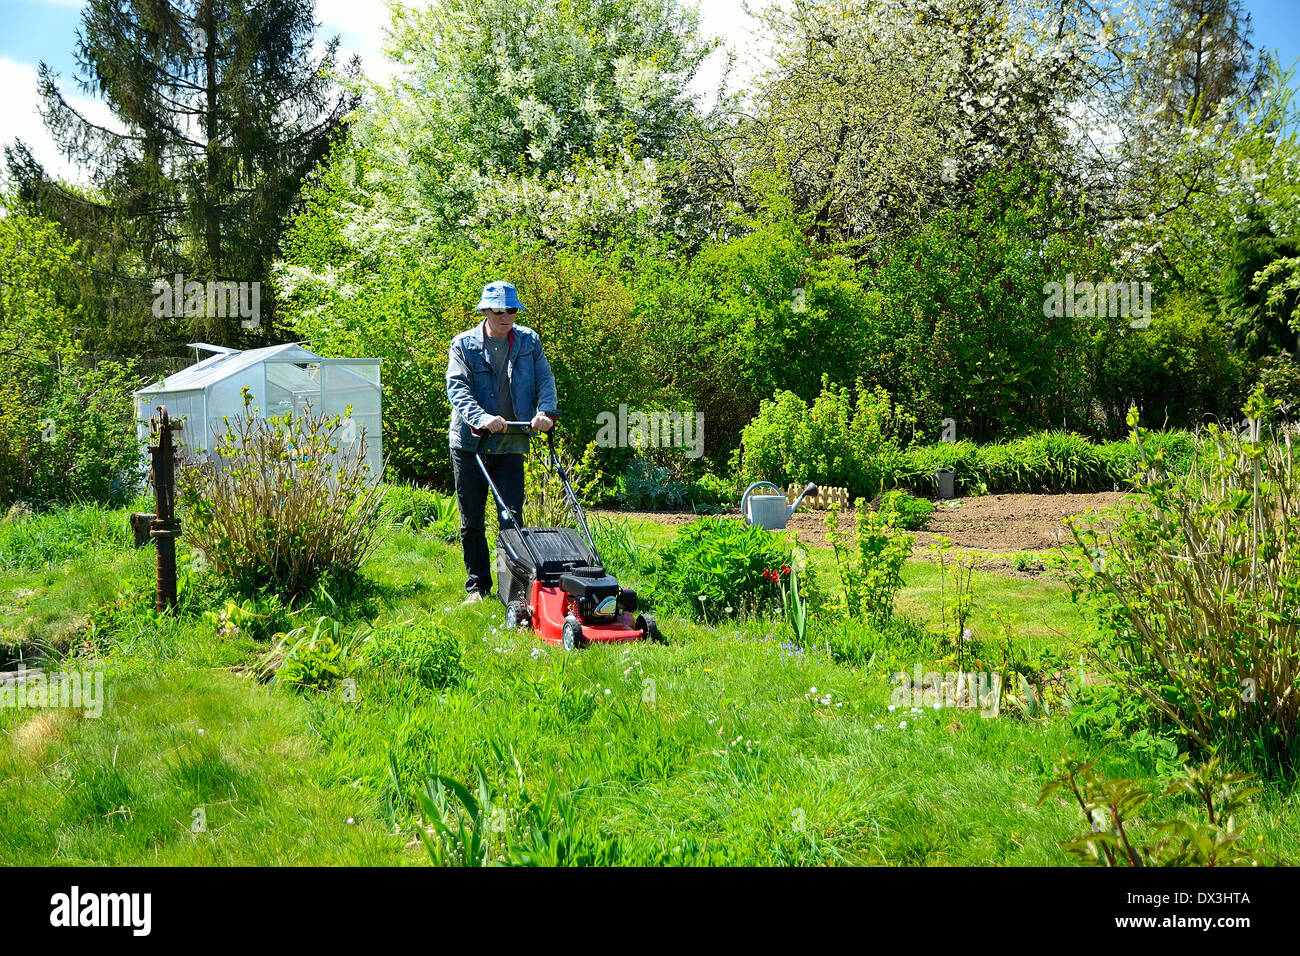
x: 474, y: 598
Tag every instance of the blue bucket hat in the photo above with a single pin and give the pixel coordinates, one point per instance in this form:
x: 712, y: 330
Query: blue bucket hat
x: 499, y: 295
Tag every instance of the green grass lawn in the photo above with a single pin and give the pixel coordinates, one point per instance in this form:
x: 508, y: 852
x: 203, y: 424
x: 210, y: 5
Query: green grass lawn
x: 716, y: 738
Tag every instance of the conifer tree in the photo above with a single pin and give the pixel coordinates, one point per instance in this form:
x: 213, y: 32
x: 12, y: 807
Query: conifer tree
x: 222, y: 110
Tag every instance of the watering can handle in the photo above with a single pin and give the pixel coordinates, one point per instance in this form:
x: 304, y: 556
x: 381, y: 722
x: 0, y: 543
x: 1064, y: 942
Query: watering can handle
x: 750, y: 490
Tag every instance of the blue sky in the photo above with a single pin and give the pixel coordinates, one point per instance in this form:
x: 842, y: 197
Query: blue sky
x: 35, y: 30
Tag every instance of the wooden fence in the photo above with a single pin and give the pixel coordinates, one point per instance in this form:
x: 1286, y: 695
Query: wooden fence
x: 822, y: 501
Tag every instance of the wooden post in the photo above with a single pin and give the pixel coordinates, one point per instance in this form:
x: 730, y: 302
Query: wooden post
x: 165, y: 528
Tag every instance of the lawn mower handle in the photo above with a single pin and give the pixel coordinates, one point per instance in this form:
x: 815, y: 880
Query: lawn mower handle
x: 552, y: 462
x: 526, y: 427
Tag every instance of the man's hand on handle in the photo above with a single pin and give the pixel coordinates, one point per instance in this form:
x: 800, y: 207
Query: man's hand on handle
x: 540, y: 422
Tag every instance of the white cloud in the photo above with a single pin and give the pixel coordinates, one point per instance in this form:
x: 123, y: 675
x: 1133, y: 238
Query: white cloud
x: 360, y: 25
x: 738, y: 29
x: 20, y: 119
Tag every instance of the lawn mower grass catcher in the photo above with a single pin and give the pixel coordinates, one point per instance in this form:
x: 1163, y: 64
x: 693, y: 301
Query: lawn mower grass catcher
x: 552, y: 579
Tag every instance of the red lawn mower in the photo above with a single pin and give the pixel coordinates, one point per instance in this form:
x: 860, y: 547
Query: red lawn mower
x: 552, y: 579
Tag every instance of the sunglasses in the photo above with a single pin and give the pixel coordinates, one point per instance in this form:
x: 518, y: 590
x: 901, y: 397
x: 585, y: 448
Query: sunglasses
x: 504, y: 311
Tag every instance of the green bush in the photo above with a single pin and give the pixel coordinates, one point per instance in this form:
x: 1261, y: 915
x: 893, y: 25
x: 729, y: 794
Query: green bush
x: 67, y: 429
x: 956, y: 326
x: 714, y: 569
x: 755, y: 315
x: 1110, y: 714
x: 648, y: 487
x: 1207, y: 835
x: 282, y: 502
x: 1177, y: 370
x: 1279, y: 376
x: 87, y: 449
x: 904, y: 510
x: 709, y: 491
x: 869, y: 562
x: 835, y: 441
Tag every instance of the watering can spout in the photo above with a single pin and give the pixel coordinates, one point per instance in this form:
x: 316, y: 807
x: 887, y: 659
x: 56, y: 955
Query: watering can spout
x: 809, y: 489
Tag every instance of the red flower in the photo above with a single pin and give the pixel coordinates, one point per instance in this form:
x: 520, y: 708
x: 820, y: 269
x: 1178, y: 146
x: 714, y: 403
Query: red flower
x: 785, y: 569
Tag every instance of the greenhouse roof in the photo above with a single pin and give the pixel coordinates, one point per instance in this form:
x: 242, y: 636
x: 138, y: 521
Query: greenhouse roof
x: 217, y: 367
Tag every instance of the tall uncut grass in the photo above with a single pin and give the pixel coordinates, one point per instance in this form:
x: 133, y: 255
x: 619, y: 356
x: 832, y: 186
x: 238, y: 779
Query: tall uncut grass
x: 35, y: 541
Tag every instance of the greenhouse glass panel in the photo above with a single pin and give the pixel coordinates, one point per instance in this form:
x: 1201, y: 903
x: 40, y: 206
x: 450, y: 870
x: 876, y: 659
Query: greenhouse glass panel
x: 281, y: 378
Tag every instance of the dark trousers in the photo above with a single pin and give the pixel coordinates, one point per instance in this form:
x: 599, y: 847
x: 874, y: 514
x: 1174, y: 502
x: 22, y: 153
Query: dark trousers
x: 472, y: 493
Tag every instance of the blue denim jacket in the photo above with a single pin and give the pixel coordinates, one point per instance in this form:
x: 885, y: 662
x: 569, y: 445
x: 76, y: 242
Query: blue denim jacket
x: 472, y: 384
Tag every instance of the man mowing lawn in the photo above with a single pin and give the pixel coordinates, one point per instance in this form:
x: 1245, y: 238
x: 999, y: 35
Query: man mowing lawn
x: 496, y: 372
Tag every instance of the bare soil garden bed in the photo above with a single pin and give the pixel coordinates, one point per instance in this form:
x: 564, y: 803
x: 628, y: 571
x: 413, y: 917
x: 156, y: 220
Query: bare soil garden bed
x: 989, y: 524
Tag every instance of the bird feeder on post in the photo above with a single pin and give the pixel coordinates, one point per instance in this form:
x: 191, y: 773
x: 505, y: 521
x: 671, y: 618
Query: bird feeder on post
x: 164, y: 528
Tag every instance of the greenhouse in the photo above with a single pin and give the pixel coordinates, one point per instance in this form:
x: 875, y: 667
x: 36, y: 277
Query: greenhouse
x: 281, y: 378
